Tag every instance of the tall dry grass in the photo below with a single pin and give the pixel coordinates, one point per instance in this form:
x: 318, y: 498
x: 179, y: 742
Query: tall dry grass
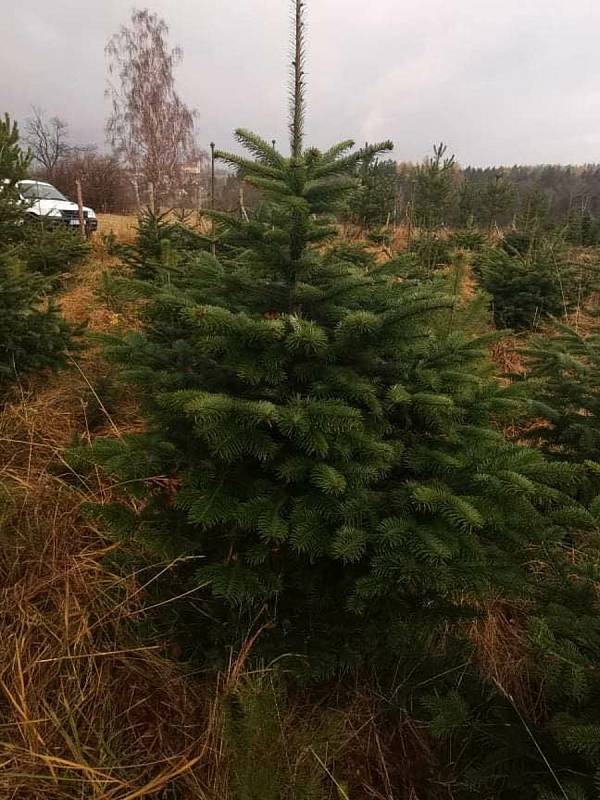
x: 85, y: 709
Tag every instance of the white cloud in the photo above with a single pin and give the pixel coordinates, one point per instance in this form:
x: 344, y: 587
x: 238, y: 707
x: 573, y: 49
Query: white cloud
x: 510, y: 82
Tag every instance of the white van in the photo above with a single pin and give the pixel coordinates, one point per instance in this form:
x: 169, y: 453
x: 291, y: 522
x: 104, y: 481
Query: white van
x: 47, y: 204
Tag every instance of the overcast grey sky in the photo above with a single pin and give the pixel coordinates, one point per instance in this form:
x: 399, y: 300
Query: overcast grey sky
x: 516, y: 81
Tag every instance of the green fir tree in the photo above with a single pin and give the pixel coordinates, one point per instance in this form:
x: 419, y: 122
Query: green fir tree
x: 33, y: 335
x: 319, y: 439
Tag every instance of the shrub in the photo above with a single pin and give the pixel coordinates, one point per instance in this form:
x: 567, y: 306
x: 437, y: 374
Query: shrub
x: 526, y: 288
x: 33, y: 335
x: 52, y: 251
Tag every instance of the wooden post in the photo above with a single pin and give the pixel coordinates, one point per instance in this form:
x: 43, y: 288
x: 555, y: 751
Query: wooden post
x: 212, y: 195
x: 82, y: 228
x: 151, y: 201
x: 136, y: 189
x: 243, y: 211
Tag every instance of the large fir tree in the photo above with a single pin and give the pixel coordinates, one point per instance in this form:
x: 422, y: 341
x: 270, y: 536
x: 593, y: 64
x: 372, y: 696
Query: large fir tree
x: 317, y: 438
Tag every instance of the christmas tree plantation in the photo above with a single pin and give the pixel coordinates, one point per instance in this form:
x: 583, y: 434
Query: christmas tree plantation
x: 316, y: 441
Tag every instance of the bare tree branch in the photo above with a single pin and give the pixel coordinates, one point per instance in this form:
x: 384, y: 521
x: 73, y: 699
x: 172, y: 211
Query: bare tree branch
x: 149, y: 128
x: 47, y: 139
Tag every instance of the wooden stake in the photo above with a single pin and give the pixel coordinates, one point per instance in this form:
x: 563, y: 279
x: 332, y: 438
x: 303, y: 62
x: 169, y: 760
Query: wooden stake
x: 243, y: 211
x: 151, y: 197
x: 82, y: 229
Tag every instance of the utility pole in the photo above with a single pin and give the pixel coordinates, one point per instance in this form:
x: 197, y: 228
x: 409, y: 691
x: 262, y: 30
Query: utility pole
x: 212, y: 176
x: 212, y: 195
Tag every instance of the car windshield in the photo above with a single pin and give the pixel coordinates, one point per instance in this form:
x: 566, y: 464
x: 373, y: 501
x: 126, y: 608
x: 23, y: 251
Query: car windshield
x: 40, y: 191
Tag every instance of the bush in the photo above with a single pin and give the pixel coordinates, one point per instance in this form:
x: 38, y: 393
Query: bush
x: 52, y: 251
x: 33, y: 335
x: 161, y: 244
x: 527, y: 288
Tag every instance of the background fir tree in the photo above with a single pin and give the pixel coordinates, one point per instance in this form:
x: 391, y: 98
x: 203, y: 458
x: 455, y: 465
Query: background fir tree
x: 531, y: 278
x: 565, y: 369
x: 433, y: 191
x: 14, y: 163
x: 374, y: 202
x: 33, y: 335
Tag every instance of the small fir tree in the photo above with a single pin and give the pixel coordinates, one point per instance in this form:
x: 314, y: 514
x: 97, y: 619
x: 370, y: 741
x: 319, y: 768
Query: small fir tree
x: 33, y: 335
x: 566, y: 368
x: 374, y: 202
x: 434, y: 189
x: 52, y: 251
x: 160, y: 244
x: 530, y: 280
x: 14, y: 163
x: 497, y: 199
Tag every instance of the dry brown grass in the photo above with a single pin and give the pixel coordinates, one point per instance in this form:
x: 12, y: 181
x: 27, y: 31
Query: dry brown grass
x: 85, y: 709
x: 504, y: 658
x: 121, y: 225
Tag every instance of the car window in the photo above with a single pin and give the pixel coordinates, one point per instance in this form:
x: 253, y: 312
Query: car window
x: 40, y: 191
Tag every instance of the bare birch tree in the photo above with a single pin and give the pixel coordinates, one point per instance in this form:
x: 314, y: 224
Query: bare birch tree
x: 47, y: 139
x: 149, y: 128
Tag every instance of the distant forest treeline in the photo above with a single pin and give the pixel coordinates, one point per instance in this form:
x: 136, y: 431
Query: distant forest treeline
x: 563, y: 187
x: 509, y: 194
x: 438, y: 192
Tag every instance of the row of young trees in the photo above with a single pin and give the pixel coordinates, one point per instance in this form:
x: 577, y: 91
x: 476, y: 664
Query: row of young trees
x: 438, y: 192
